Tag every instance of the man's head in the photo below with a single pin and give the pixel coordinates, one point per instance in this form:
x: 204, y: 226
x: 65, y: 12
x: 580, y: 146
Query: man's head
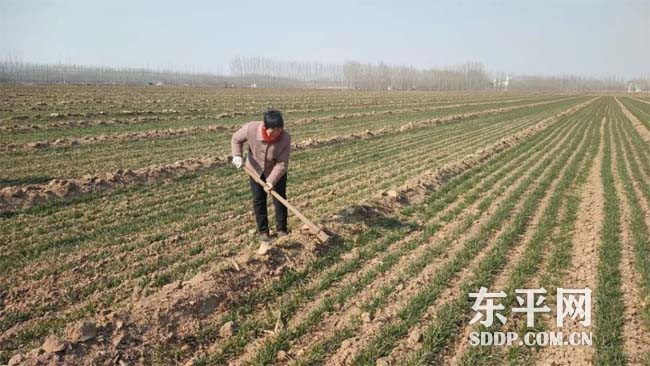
x: 273, y: 123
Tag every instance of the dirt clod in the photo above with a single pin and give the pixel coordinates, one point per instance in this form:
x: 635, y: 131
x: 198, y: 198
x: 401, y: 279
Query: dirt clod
x: 228, y: 330
x: 392, y: 193
x: 382, y: 362
x: 81, y: 331
x: 415, y: 337
x: 366, y: 317
x: 53, y: 344
x: 282, y: 355
x: 15, y: 360
x: 263, y: 249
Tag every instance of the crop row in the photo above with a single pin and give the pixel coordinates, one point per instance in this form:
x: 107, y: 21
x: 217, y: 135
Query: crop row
x: 66, y: 162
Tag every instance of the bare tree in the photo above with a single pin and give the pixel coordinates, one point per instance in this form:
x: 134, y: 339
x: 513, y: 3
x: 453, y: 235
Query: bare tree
x: 271, y: 73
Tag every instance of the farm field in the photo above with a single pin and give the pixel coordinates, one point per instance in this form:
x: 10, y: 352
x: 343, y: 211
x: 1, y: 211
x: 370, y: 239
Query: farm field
x: 118, y: 208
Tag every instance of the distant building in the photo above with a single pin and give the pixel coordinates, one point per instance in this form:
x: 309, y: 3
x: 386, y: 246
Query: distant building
x: 634, y: 87
x: 501, y: 84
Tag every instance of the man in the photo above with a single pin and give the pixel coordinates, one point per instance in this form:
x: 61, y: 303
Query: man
x: 269, y: 146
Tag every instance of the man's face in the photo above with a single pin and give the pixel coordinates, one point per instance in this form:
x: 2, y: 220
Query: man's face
x: 274, y: 132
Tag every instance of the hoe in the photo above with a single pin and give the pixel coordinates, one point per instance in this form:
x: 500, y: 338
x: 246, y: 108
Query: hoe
x: 315, y: 229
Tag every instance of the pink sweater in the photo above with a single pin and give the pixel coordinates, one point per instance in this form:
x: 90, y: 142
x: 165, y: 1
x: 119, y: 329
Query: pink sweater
x: 270, y: 159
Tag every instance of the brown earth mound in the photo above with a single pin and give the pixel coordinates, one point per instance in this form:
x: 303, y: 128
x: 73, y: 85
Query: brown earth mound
x: 118, y: 137
x: 27, y: 196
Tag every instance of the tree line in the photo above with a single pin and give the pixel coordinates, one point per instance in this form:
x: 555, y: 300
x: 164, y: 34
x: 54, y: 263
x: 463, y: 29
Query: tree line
x: 261, y: 72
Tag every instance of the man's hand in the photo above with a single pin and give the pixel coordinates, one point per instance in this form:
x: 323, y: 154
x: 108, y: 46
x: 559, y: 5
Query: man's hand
x: 237, y: 161
x: 269, y: 187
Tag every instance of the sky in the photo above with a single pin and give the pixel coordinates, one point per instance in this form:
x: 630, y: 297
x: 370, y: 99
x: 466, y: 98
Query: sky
x: 597, y: 38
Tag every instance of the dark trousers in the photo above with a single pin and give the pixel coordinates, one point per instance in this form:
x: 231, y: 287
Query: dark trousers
x: 259, y: 204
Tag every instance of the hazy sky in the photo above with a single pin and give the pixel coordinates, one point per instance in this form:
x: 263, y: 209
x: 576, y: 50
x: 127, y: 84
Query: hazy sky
x: 590, y: 38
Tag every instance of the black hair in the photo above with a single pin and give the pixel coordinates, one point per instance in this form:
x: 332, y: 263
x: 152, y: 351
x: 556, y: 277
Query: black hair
x: 273, y: 119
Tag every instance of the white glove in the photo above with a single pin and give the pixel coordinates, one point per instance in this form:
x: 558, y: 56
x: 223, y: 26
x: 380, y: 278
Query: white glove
x: 237, y: 161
